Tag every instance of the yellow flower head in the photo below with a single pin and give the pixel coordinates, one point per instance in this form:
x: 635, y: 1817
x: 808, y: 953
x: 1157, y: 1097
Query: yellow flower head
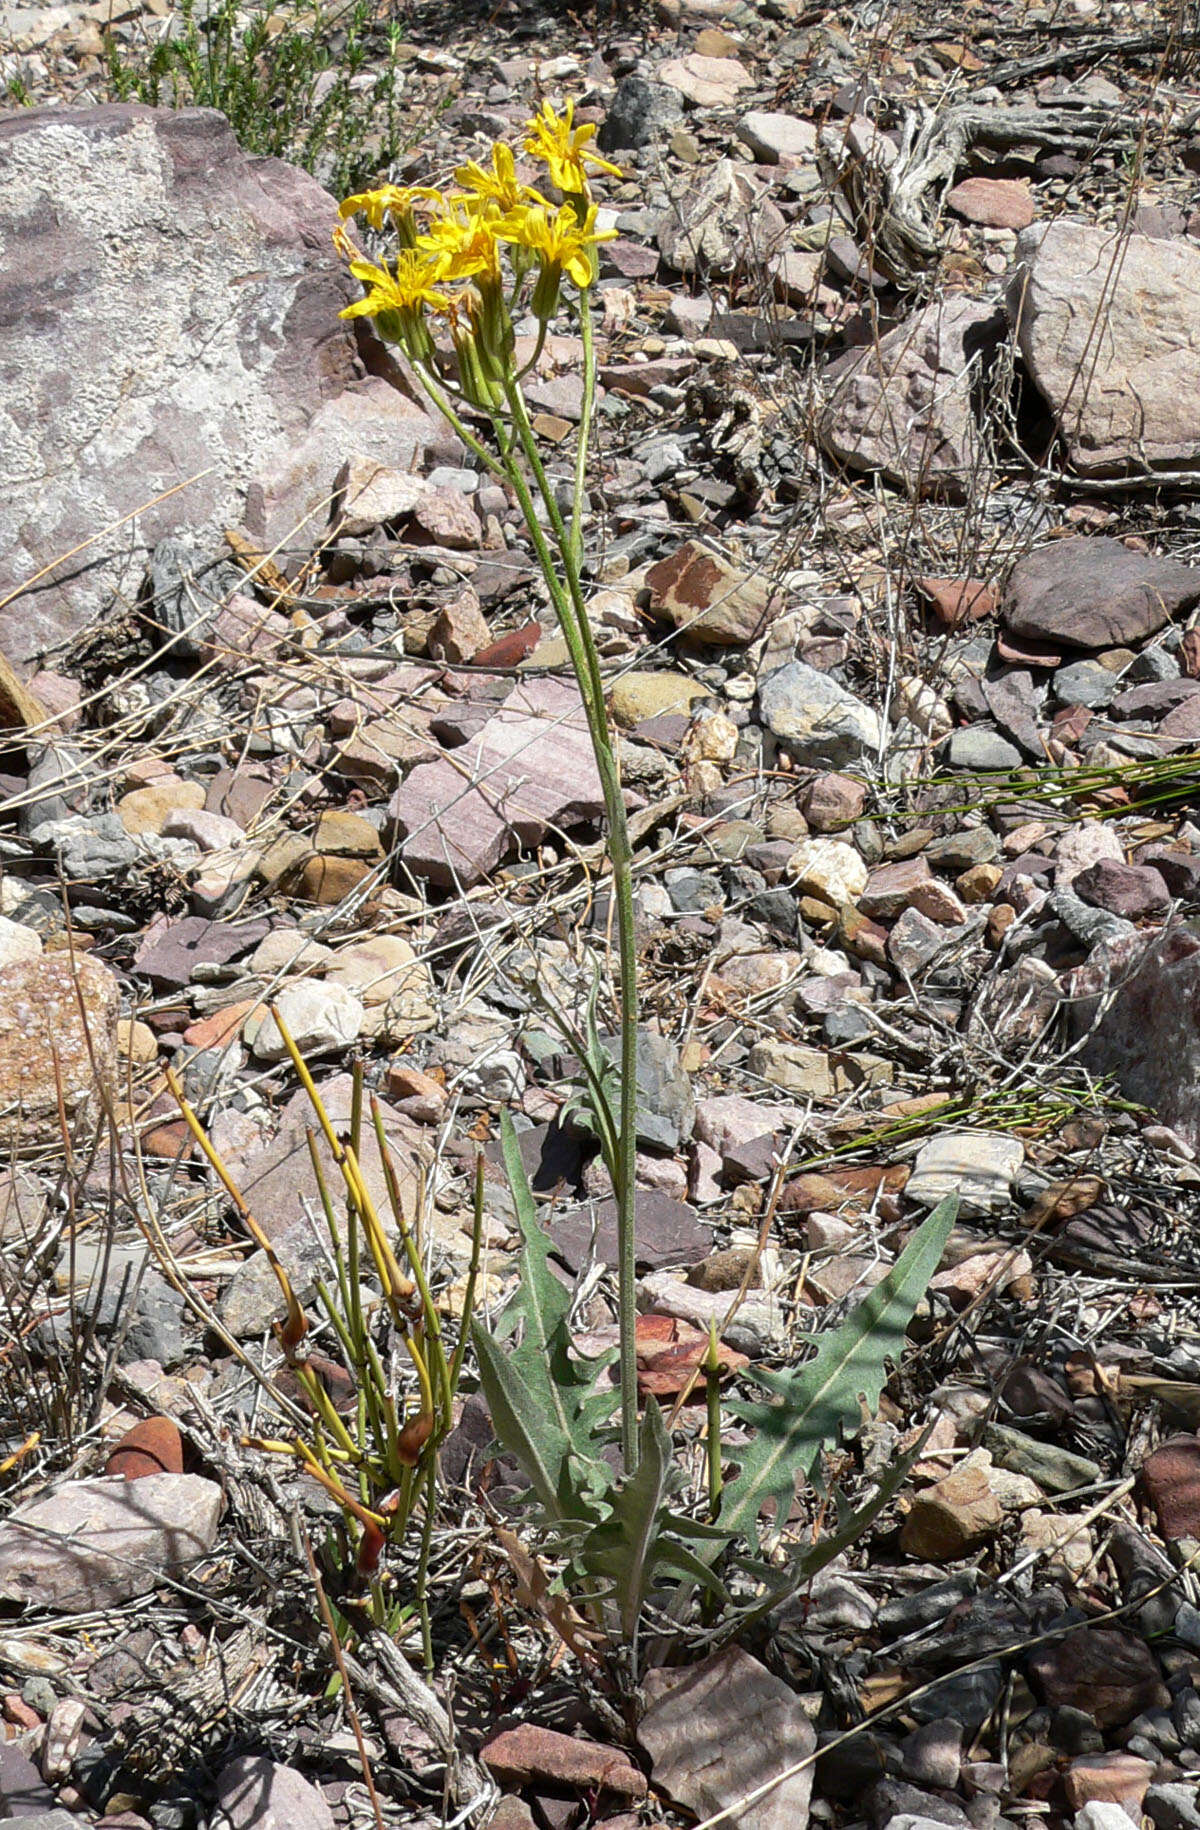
x: 498, y: 186
x: 562, y: 243
x: 394, y: 200
x: 564, y: 148
x: 465, y: 239
x: 411, y: 286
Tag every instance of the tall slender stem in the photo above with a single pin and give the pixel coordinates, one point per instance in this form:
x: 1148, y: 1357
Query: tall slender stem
x: 586, y: 663
x: 585, y: 423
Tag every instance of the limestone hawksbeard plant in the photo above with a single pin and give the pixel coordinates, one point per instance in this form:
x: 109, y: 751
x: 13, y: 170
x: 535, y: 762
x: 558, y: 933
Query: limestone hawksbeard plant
x: 470, y: 264
x: 471, y: 267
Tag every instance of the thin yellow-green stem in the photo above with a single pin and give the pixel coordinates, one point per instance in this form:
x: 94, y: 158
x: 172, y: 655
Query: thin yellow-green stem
x: 423, y: 1563
x: 585, y: 424
x: 586, y: 663
x: 712, y: 1444
x: 472, y: 1277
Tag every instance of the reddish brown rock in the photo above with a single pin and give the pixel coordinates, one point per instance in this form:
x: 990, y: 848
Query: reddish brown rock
x: 530, y: 768
x: 1131, y: 890
x: 958, y: 600
x: 221, y: 1028
x: 891, y: 887
x: 1171, y: 1475
x: 1094, y: 592
x: 993, y: 203
x: 952, y: 1518
x: 1118, y: 1779
x: 1181, y: 726
x: 1110, y: 1674
x: 508, y: 649
x: 707, y: 598
x: 153, y: 1446
x: 833, y: 802
x: 528, y: 1755
x: 58, y: 1031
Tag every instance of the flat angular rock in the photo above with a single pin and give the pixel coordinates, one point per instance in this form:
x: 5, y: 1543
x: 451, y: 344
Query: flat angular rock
x: 994, y: 203
x: 708, y: 82
x: 723, y: 1729
x: 669, y: 1233
x: 666, y: 1104
x: 48, y: 1043
x: 708, y: 599
x: 530, y: 768
x: 527, y: 1753
x: 891, y: 888
x: 254, y: 1793
x: 1148, y: 1035
x: 246, y: 291
x: 1171, y: 1474
x: 903, y: 406
x: 952, y: 1518
x: 1105, y: 323
x: 1130, y: 890
x: 640, y: 113
x: 171, y: 950
x: 777, y: 138
x: 819, y: 721
x: 97, y: 1543
x: 319, y: 1017
x: 977, y: 1166
x: 1103, y: 1670
x: 1094, y: 592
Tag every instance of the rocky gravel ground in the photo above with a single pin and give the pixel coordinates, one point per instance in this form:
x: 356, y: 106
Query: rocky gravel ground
x: 891, y: 543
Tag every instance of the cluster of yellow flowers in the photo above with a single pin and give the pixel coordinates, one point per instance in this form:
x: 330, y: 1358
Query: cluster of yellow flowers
x: 449, y: 259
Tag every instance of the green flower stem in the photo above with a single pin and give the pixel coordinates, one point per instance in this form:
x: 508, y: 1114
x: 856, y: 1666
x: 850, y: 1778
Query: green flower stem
x: 586, y: 663
x: 712, y: 1441
x: 585, y: 424
x: 423, y: 1564
x: 453, y: 418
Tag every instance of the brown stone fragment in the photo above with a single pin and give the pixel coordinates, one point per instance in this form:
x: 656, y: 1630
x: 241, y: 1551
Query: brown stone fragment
x: 993, y: 203
x: 958, y: 600
x: 1189, y: 654
x: 1063, y: 1200
x: 1110, y: 1674
x: 707, y: 598
x: 1118, y: 1779
x: 832, y: 802
x: 47, y: 1042
x: 1000, y: 921
x: 953, y: 1517
x: 978, y: 883
x: 1172, y: 1480
x: 528, y: 1754
x: 153, y: 1446
x: 347, y: 835
x: 809, y: 1194
x: 331, y: 880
